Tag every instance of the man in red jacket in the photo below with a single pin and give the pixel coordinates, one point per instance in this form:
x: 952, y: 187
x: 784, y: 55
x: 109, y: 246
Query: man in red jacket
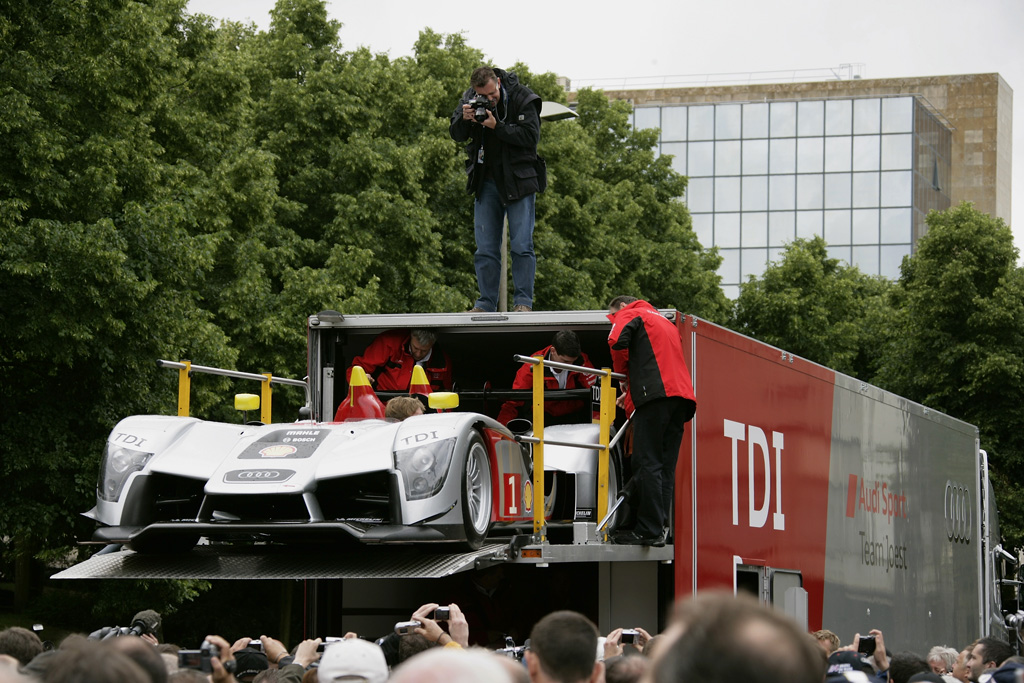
x: 564, y: 348
x: 390, y: 358
x: 646, y: 347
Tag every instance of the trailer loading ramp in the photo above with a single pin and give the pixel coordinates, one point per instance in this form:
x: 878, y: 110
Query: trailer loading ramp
x: 409, y: 562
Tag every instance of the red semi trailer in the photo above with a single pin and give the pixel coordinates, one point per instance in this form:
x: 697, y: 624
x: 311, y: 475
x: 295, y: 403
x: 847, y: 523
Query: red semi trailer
x: 847, y: 506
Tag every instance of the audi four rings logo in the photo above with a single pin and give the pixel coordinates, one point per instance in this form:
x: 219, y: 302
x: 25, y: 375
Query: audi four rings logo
x: 958, y: 512
x: 259, y: 476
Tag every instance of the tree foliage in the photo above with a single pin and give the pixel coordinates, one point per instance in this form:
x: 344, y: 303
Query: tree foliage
x: 175, y: 188
x: 818, y: 308
x: 958, y: 340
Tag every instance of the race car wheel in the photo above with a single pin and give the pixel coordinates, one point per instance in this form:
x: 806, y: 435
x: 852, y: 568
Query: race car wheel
x: 477, y: 493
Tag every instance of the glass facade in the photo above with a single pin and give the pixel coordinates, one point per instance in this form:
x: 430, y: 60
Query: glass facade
x: 861, y: 173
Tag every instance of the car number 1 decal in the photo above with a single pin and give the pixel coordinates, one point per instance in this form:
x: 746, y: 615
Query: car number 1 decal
x: 511, y: 509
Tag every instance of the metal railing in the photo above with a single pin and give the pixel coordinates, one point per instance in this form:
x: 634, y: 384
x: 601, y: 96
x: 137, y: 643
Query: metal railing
x: 607, y: 414
x: 186, y: 368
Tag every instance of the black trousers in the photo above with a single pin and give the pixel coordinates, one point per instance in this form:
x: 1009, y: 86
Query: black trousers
x: 658, y: 429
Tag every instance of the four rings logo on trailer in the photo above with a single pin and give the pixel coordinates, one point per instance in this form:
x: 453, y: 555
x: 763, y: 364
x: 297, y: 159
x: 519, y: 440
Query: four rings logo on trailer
x: 957, y: 510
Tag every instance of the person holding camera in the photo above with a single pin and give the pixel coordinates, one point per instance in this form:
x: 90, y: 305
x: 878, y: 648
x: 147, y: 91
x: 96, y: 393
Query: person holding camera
x: 500, y: 119
x: 429, y: 614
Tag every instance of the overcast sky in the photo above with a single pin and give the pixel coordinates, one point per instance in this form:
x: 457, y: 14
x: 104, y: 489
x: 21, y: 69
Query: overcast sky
x: 645, y: 38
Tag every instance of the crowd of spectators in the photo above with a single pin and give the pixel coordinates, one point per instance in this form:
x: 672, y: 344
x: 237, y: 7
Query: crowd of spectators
x: 712, y: 637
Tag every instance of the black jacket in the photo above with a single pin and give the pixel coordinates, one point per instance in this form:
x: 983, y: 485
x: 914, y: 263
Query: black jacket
x: 521, y: 172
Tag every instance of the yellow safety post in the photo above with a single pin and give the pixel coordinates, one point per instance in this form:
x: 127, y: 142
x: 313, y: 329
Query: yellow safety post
x: 607, y: 414
x: 266, y: 414
x: 538, y: 449
x: 184, y: 388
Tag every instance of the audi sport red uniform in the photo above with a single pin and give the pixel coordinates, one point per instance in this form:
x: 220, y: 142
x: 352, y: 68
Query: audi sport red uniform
x: 646, y: 347
x: 556, y: 409
x: 388, y: 359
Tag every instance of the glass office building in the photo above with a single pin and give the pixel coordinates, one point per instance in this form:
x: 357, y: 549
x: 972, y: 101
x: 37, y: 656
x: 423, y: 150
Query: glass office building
x: 860, y: 172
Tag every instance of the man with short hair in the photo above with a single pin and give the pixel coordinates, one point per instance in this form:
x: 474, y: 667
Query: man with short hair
x: 505, y: 173
x: 828, y: 640
x: 563, y: 649
x: 988, y: 654
x: 564, y: 348
x: 904, y: 665
x: 20, y: 643
x: 402, y: 407
x: 143, y: 654
x: 960, y: 671
x: 941, y: 658
x: 444, y: 665
x: 659, y: 398
x: 717, y: 636
x: 391, y: 357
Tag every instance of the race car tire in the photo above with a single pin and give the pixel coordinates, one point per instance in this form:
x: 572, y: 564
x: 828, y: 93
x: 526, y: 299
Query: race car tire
x: 477, y: 494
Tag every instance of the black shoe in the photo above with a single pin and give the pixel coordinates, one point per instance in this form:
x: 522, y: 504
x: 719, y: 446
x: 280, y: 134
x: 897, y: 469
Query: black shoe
x: 633, y: 538
x: 661, y: 540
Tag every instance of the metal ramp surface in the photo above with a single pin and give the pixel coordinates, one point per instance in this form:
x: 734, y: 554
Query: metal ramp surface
x: 220, y: 562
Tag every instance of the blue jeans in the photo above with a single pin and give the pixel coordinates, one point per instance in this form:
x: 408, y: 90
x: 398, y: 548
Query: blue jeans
x: 488, y: 221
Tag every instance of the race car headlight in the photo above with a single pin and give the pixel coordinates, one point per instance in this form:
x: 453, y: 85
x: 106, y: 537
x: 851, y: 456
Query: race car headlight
x: 424, y: 467
x: 118, y: 463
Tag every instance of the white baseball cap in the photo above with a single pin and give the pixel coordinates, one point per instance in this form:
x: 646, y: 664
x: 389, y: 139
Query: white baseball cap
x: 353, y: 659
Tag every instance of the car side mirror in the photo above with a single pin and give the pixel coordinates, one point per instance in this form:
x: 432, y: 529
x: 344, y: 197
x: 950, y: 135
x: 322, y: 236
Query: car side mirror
x: 443, y: 400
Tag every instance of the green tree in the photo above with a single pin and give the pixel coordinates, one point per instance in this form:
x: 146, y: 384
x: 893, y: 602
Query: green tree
x: 100, y: 262
x: 818, y: 308
x: 958, y: 340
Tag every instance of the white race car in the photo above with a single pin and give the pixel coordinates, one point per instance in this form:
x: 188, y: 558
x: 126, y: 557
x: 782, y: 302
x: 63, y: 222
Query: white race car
x: 165, y: 482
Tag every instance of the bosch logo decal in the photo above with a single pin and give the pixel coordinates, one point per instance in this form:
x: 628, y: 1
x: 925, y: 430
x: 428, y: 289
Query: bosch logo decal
x: 958, y: 512
x: 258, y: 476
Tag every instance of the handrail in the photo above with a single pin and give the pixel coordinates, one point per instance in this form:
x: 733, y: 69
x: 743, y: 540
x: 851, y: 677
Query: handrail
x: 604, y: 430
x: 186, y: 368
x: 537, y: 360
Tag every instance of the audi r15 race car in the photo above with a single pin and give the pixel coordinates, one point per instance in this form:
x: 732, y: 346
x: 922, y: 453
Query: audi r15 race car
x: 167, y: 481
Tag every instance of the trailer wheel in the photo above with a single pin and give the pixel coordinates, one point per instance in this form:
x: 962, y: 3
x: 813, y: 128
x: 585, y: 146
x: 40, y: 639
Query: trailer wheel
x: 477, y: 493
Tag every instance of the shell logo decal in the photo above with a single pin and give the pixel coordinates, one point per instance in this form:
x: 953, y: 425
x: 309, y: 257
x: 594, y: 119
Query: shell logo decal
x: 277, y: 451
x: 528, y: 496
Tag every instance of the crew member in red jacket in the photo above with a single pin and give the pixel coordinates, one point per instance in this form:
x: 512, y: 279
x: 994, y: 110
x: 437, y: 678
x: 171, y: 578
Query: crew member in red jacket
x: 564, y: 348
x: 390, y: 358
x: 646, y: 347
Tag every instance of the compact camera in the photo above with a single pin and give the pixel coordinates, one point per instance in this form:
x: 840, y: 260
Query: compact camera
x: 328, y: 640
x: 511, y: 651
x: 200, y: 659
x: 442, y: 614
x: 629, y: 636
x: 867, y: 645
x: 481, y: 105
x: 406, y: 628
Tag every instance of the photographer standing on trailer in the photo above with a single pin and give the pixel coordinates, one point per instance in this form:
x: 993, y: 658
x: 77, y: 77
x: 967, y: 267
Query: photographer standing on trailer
x: 646, y: 347
x: 500, y: 118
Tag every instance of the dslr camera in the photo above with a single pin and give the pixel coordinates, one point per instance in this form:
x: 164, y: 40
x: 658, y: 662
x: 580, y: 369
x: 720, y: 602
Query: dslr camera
x: 146, y: 621
x: 481, y: 105
x: 200, y: 659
